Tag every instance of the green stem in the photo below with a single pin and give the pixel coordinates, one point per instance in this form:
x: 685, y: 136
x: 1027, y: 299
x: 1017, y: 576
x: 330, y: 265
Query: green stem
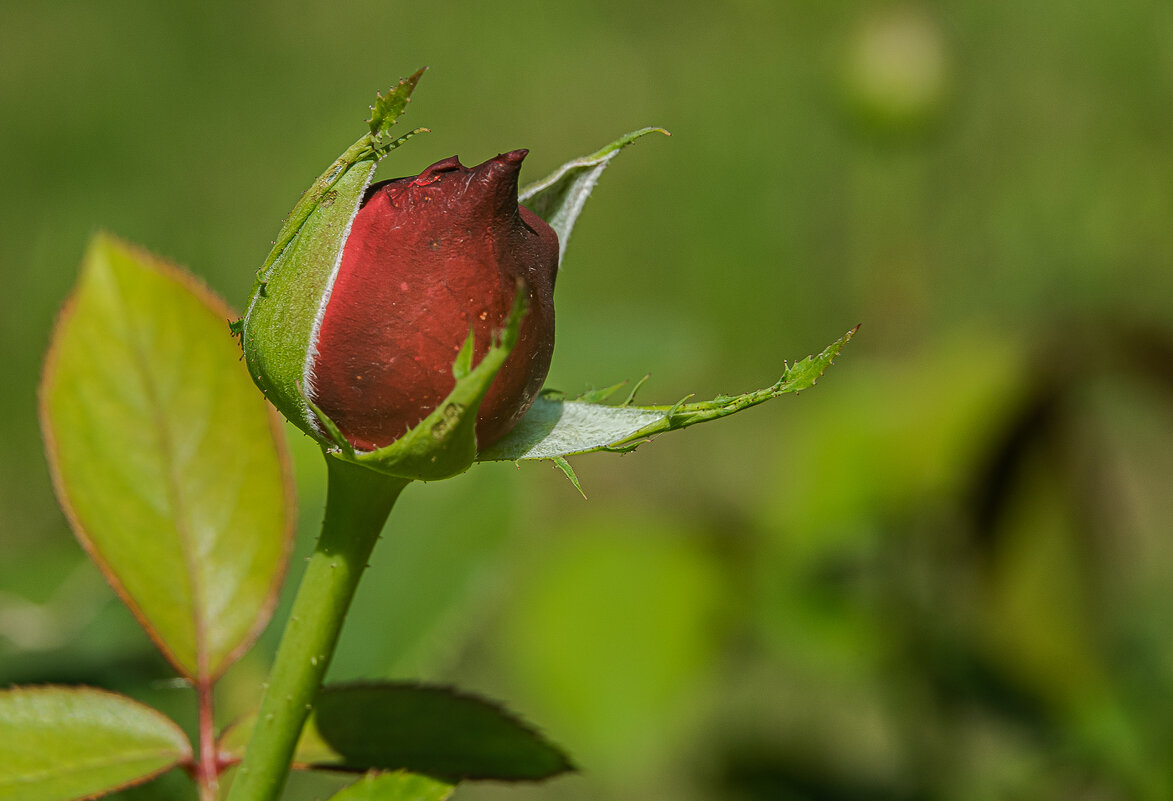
x: 358, y: 501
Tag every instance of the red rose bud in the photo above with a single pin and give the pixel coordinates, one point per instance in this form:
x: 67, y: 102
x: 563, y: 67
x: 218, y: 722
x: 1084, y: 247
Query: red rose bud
x: 427, y: 260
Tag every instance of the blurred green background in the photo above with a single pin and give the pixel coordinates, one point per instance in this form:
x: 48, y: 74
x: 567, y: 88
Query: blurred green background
x: 944, y: 573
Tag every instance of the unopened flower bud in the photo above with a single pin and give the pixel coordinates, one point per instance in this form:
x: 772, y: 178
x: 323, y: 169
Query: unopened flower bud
x: 372, y: 292
x: 429, y: 259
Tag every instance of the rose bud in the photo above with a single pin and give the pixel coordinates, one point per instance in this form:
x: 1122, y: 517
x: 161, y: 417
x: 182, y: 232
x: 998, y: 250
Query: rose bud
x: 408, y: 326
x: 420, y: 306
x: 427, y: 260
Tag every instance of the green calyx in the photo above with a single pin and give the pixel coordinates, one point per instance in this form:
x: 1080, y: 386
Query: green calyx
x: 293, y: 285
x: 278, y: 331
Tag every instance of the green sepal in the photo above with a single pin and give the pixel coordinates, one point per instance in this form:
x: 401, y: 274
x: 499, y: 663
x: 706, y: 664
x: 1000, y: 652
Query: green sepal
x: 463, y: 364
x: 382, y: 147
x: 341, y: 443
x: 295, y: 280
x: 555, y: 428
x: 601, y: 394
x: 279, y: 324
x: 388, y: 107
x: 559, y: 197
x: 444, y: 443
x: 568, y: 471
x: 638, y: 385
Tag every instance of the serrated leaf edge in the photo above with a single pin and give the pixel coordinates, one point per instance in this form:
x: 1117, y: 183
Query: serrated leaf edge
x: 188, y: 757
x: 461, y: 695
x: 682, y: 414
x: 209, y: 298
x: 451, y: 691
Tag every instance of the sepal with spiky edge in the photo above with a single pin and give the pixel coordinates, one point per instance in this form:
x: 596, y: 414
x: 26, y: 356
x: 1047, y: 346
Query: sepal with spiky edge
x: 555, y: 428
x: 278, y: 331
x: 387, y: 108
x: 559, y: 197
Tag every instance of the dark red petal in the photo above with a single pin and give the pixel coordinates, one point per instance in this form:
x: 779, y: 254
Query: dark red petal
x: 427, y: 259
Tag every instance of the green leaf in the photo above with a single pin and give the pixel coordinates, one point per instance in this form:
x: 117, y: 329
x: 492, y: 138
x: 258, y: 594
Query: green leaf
x: 432, y: 730
x: 59, y: 743
x: 559, y: 197
x: 397, y: 786
x: 169, y: 464
x: 174, y: 785
x: 388, y: 107
x: 554, y: 427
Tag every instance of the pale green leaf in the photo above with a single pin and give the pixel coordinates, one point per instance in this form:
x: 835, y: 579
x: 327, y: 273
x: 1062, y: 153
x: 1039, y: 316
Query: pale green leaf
x: 555, y: 427
x: 59, y: 743
x: 168, y: 462
x: 559, y: 197
x: 397, y: 786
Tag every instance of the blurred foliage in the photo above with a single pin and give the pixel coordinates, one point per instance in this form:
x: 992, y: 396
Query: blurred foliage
x: 941, y: 574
